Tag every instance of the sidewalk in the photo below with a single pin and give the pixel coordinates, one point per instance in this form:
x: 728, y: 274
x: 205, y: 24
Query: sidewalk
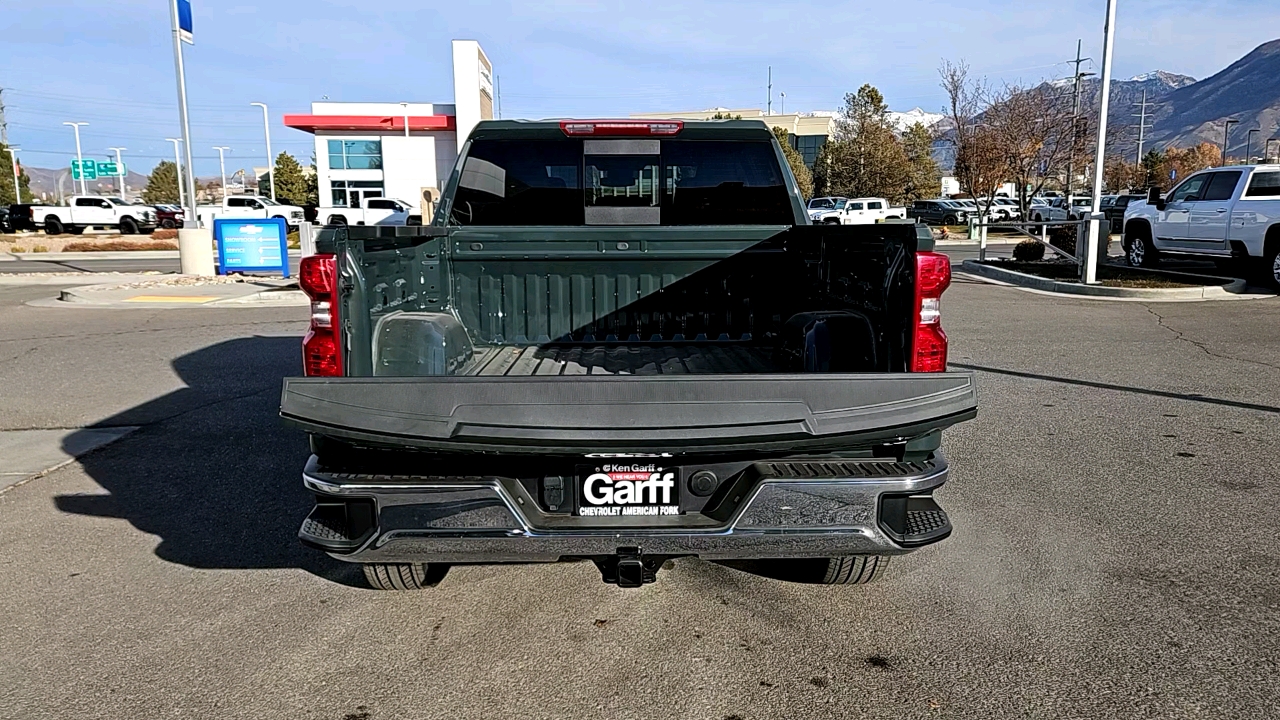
x: 174, y: 291
x: 114, y: 255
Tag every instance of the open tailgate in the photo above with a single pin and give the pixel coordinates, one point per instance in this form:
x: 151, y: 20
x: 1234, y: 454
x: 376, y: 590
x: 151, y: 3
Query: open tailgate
x: 560, y: 415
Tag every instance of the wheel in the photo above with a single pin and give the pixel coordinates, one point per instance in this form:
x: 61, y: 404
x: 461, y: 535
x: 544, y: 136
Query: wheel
x: 168, y: 224
x: 337, y: 220
x: 854, y: 570
x: 403, y: 576
x: 128, y: 226
x: 1037, y: 218
x: 949, y: 220
x: 1271, y: 263
x: 830, y: 221
x: 53, y: 226
x: 1138, y: 248
x: 77, y: 229
x: 848, y: 570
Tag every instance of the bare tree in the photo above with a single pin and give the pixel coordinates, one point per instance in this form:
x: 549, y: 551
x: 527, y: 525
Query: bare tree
x: 1035, y: 131
x: 980, y: 159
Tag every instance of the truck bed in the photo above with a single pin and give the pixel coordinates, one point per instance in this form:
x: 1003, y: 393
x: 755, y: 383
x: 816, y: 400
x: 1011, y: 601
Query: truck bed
x: 689, y: 359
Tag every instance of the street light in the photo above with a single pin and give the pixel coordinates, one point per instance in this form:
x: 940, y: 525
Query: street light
x: 405, y: 106
x: 79, y: 158
x: 1089, y: 276
x: 784, y: 102
x: 271, y: 168
x: 120, y: 169
x: 1226, y: 133
x: 13, y: 161
x: 177, y: 166
x: 222, y: 166
x: 1248, y: 151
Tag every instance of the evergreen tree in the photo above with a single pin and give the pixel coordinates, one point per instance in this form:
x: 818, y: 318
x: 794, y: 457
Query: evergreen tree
x: 804, y: 178
x: 291, y: 182
x: 866, y: 158
x: 6, y: 179
x: 162, y: 186
x: 924, y: 178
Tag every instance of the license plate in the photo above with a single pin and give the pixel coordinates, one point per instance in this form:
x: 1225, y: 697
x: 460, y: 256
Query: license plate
x: 628, y: 490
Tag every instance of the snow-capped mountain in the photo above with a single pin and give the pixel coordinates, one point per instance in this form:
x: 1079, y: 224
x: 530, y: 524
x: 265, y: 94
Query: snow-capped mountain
x: 903, y: 120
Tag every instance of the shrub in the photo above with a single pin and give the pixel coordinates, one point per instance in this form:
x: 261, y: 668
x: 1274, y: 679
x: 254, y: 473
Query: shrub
x: 1064, y: 238
x: 40, y: 248
x: 17, y: 249
x: 1028, y: 251
x: 165, y: 234
x: 119, y: 245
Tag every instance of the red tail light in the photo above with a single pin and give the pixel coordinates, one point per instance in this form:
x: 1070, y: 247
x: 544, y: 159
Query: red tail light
x: 322, y: 346
x: 621, y: 127
x: 929, y: 342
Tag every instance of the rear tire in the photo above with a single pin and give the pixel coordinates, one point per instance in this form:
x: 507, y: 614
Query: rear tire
x: 76, y: 229
x: 949, y: 220
x: 168, y: 224
x: 855, y: 569
x: 1271, y: 264
x: 53, y: 226
x: 403, y: 576
x: 848, y: 570
x: 128, y: 226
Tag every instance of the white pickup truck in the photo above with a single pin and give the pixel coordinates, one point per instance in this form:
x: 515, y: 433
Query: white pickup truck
x: 86, y: 211
x: 1227, y: 214
x: 376, y: 211
x: 251, y: 207
x: 858, y: 211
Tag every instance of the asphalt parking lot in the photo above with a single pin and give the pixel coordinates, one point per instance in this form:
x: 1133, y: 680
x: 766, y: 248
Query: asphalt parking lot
x: 1115, y: 551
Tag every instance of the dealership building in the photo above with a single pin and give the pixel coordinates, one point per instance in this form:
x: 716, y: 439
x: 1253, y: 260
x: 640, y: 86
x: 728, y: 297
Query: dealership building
x: 402, y: 150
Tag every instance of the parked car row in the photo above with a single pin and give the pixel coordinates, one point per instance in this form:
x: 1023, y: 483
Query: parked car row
x: 852, y: 211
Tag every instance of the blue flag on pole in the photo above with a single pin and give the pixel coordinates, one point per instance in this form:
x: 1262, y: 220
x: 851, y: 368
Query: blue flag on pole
x: 184, y: 22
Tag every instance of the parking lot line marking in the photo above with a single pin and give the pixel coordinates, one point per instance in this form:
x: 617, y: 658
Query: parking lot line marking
x: 170, y: 298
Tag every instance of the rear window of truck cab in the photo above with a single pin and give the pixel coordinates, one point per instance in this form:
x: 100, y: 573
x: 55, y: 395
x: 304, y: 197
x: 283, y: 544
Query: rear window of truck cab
x: 621, y: 182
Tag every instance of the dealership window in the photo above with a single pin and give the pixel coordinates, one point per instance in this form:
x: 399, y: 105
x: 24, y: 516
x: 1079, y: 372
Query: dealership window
x: 355, y: 154
x: 350, y: 193
x: 808, y: 147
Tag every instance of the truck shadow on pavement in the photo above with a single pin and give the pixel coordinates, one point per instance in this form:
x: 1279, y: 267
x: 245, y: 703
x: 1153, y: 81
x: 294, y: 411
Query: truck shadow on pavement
x: 212, y: 471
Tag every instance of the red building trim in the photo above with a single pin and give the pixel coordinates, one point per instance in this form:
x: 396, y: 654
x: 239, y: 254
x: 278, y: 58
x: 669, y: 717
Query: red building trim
x: 369, y: 123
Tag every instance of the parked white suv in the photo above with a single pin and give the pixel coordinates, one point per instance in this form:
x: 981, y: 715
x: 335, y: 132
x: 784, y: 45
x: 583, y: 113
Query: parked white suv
x: 86, y: 211
x: 1226, y: 214
x: 858, y: 211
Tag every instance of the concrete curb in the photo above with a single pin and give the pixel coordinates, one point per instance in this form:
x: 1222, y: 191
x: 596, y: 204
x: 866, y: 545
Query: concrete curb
x: 68, y: 279
x: 85, y: 296
x: 1225, y: 291
x: 117, y: 255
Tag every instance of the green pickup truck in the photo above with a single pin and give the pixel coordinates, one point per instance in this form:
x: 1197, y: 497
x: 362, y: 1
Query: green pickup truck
x: 624, y: 342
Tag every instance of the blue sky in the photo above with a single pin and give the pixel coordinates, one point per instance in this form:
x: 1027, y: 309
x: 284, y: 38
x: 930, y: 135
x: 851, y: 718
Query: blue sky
x: 111, y: 63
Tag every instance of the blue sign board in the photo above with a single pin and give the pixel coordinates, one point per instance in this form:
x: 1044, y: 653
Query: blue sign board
x: 252, y: 245
x: 184, y: 22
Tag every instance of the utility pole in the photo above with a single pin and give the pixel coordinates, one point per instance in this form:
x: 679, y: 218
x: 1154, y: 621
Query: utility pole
x: 124, y: 194
x: 1226, y: 134
x: 1142, y: 124
x: 1075, y: 116
x: 769, y: 111
x: 4, y: 125
x: 497, y: 90
x: 222, y: 167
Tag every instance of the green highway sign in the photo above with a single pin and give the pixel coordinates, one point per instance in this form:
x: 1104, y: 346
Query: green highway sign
x: 88, y: 172
x: 94, y: 169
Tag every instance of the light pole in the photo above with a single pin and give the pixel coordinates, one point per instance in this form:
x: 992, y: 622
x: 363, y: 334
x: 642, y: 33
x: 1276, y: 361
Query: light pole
x: 79, y: 158
x: 784, y: 102
x: 120, y: 169
x: 1226, y: 133
x: 1248, y: 148
x: 271, y: 167
x: 13, y: 161
x: 177, y: 168
x: 222, y: 166
x: 1267, y: 152
x: 405, y: 106
x: 1090, y: 274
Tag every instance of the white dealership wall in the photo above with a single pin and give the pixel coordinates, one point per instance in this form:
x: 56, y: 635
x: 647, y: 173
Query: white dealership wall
x: 472, y: 86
